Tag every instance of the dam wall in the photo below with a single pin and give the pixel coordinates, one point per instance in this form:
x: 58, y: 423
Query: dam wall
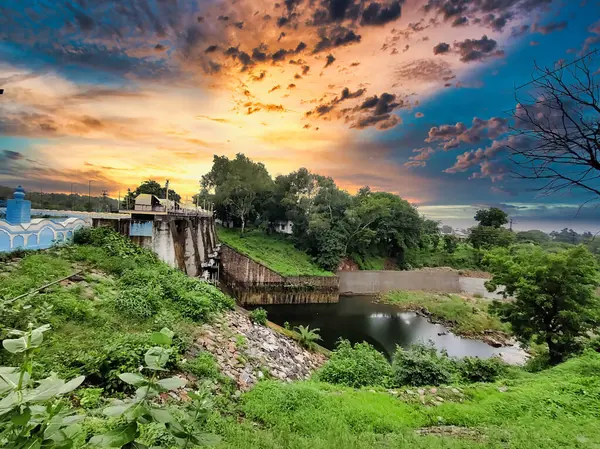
x: 253, y: 283
x: 183, y: 242
x: 383, y: 281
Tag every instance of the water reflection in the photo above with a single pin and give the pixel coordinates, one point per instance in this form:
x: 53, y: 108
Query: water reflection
x: 359, y: 319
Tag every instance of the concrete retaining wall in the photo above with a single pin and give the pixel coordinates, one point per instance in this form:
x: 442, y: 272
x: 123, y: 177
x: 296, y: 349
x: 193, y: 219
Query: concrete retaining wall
x: 253, y: 283
x: 374, y: 282
x: 182, y: 242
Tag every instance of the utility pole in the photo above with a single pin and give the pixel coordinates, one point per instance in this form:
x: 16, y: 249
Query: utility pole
x: 511, y: 223
x: 89, y: 196
x: 167, y: 195
x: 104, y: 198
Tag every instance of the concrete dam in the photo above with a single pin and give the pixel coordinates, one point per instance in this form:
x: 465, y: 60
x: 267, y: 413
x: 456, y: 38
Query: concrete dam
x: 184, y: 242
x: 189, y: 243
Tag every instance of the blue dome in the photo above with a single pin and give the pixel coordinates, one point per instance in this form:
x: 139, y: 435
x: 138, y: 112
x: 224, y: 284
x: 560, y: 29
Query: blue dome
x: 19, y: 193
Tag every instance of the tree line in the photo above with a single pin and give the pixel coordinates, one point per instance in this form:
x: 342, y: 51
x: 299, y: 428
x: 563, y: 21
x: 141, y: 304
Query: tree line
x: 328, y: 222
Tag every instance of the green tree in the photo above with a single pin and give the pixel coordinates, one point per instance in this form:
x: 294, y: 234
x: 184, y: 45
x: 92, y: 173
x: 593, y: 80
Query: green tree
x: 492, y: 217
x: 149, y: 187
x: 240, y: 186
x: 555, y: 301
x: 450, y: 243
x: 486, y: 237
x: 566, y: 236
x: 532, y: 236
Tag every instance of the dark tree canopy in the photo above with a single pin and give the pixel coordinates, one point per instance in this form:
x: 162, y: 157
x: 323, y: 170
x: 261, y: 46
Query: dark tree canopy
x: 240, y: 185
x: 149, y: 187
x: 533, y: 236
x: 492, y: 217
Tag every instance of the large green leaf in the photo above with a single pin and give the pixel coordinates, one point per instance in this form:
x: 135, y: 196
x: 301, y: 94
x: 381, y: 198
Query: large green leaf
x: 117, y: 410
x: 133, y: 379
x: 72, y: 385
x: 172, y: 383
x: 161, y: 415
x: 162, y: 338
x: 15, y: 345
x: 48, y: 388
x: 135, y: 445
x: 20, y: 419
x: 156, y: 358
x: 118, y: 437
x: 10, y: 380
x: 37, y: 336
x: 9, y: 402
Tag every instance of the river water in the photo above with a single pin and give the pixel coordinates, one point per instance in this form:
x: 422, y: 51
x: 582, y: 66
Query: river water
x: 358, y: 318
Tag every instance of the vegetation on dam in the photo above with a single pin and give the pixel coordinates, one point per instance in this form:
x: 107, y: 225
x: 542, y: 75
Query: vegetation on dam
x: 274, y: 251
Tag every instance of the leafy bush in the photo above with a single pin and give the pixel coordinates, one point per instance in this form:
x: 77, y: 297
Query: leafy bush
x: 308, y: 337
x: 358, y: 366
x: 421, y: 365
x: 139, y: 302
x: 112, y: 242
x: 203, y: 366
x: 90, y: 398
x: 474, y: 369
x: 259, y: 316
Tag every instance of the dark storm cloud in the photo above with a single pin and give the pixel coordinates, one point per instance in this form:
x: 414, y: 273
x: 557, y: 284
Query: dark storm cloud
x: 371, y: 13
x: 325, y: 108
x: 7, y: 156
x: 549, y: 27
x: 453, y: 135
x: 477, y: 49
x: 494, y: 14
x: 377, y: 111
x: 460, y: 21
x: 496, y: 22
x: 337, y: 37
x: 378, y: 14
x: 330, y: 60
x: 441, y: 48
x: 211, y: 49
x: 85, y: 22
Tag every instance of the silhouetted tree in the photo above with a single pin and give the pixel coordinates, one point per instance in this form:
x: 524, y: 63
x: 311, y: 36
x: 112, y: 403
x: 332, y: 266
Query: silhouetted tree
x: 557, y: 130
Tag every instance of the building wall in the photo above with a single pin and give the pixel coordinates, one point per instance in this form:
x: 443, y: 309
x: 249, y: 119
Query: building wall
x: 253, y: 283
x: 374, y: 282
x: 39, y: 233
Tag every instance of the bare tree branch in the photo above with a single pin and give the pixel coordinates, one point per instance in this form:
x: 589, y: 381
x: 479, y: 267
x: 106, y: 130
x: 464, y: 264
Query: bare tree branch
x: 557, y: 135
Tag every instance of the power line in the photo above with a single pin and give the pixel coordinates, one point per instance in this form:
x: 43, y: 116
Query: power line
x: 558, y: 69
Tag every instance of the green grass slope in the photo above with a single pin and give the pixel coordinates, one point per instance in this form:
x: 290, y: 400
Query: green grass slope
x: 555, y: 409
x: 274, y: 251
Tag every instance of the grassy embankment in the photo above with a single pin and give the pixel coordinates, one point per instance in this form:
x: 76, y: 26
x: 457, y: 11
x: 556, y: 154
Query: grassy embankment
x: 95, y: 334
x: 466, y: 316
x: 274, y: 251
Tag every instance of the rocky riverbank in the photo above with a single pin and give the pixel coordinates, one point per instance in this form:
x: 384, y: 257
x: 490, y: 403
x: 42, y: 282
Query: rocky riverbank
x: 247, y: 352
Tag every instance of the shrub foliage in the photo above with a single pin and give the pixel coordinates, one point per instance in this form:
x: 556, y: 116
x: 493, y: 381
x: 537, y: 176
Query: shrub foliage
x: 356, y: 366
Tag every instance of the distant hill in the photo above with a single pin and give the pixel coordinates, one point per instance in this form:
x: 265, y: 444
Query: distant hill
x: 64, y: 201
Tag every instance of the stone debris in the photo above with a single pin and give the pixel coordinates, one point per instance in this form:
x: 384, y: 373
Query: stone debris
x: 247, y: 352
x: 452, y: 431
x: 431, y: 396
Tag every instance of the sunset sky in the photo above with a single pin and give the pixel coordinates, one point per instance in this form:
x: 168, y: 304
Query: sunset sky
x: 404, y: 95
